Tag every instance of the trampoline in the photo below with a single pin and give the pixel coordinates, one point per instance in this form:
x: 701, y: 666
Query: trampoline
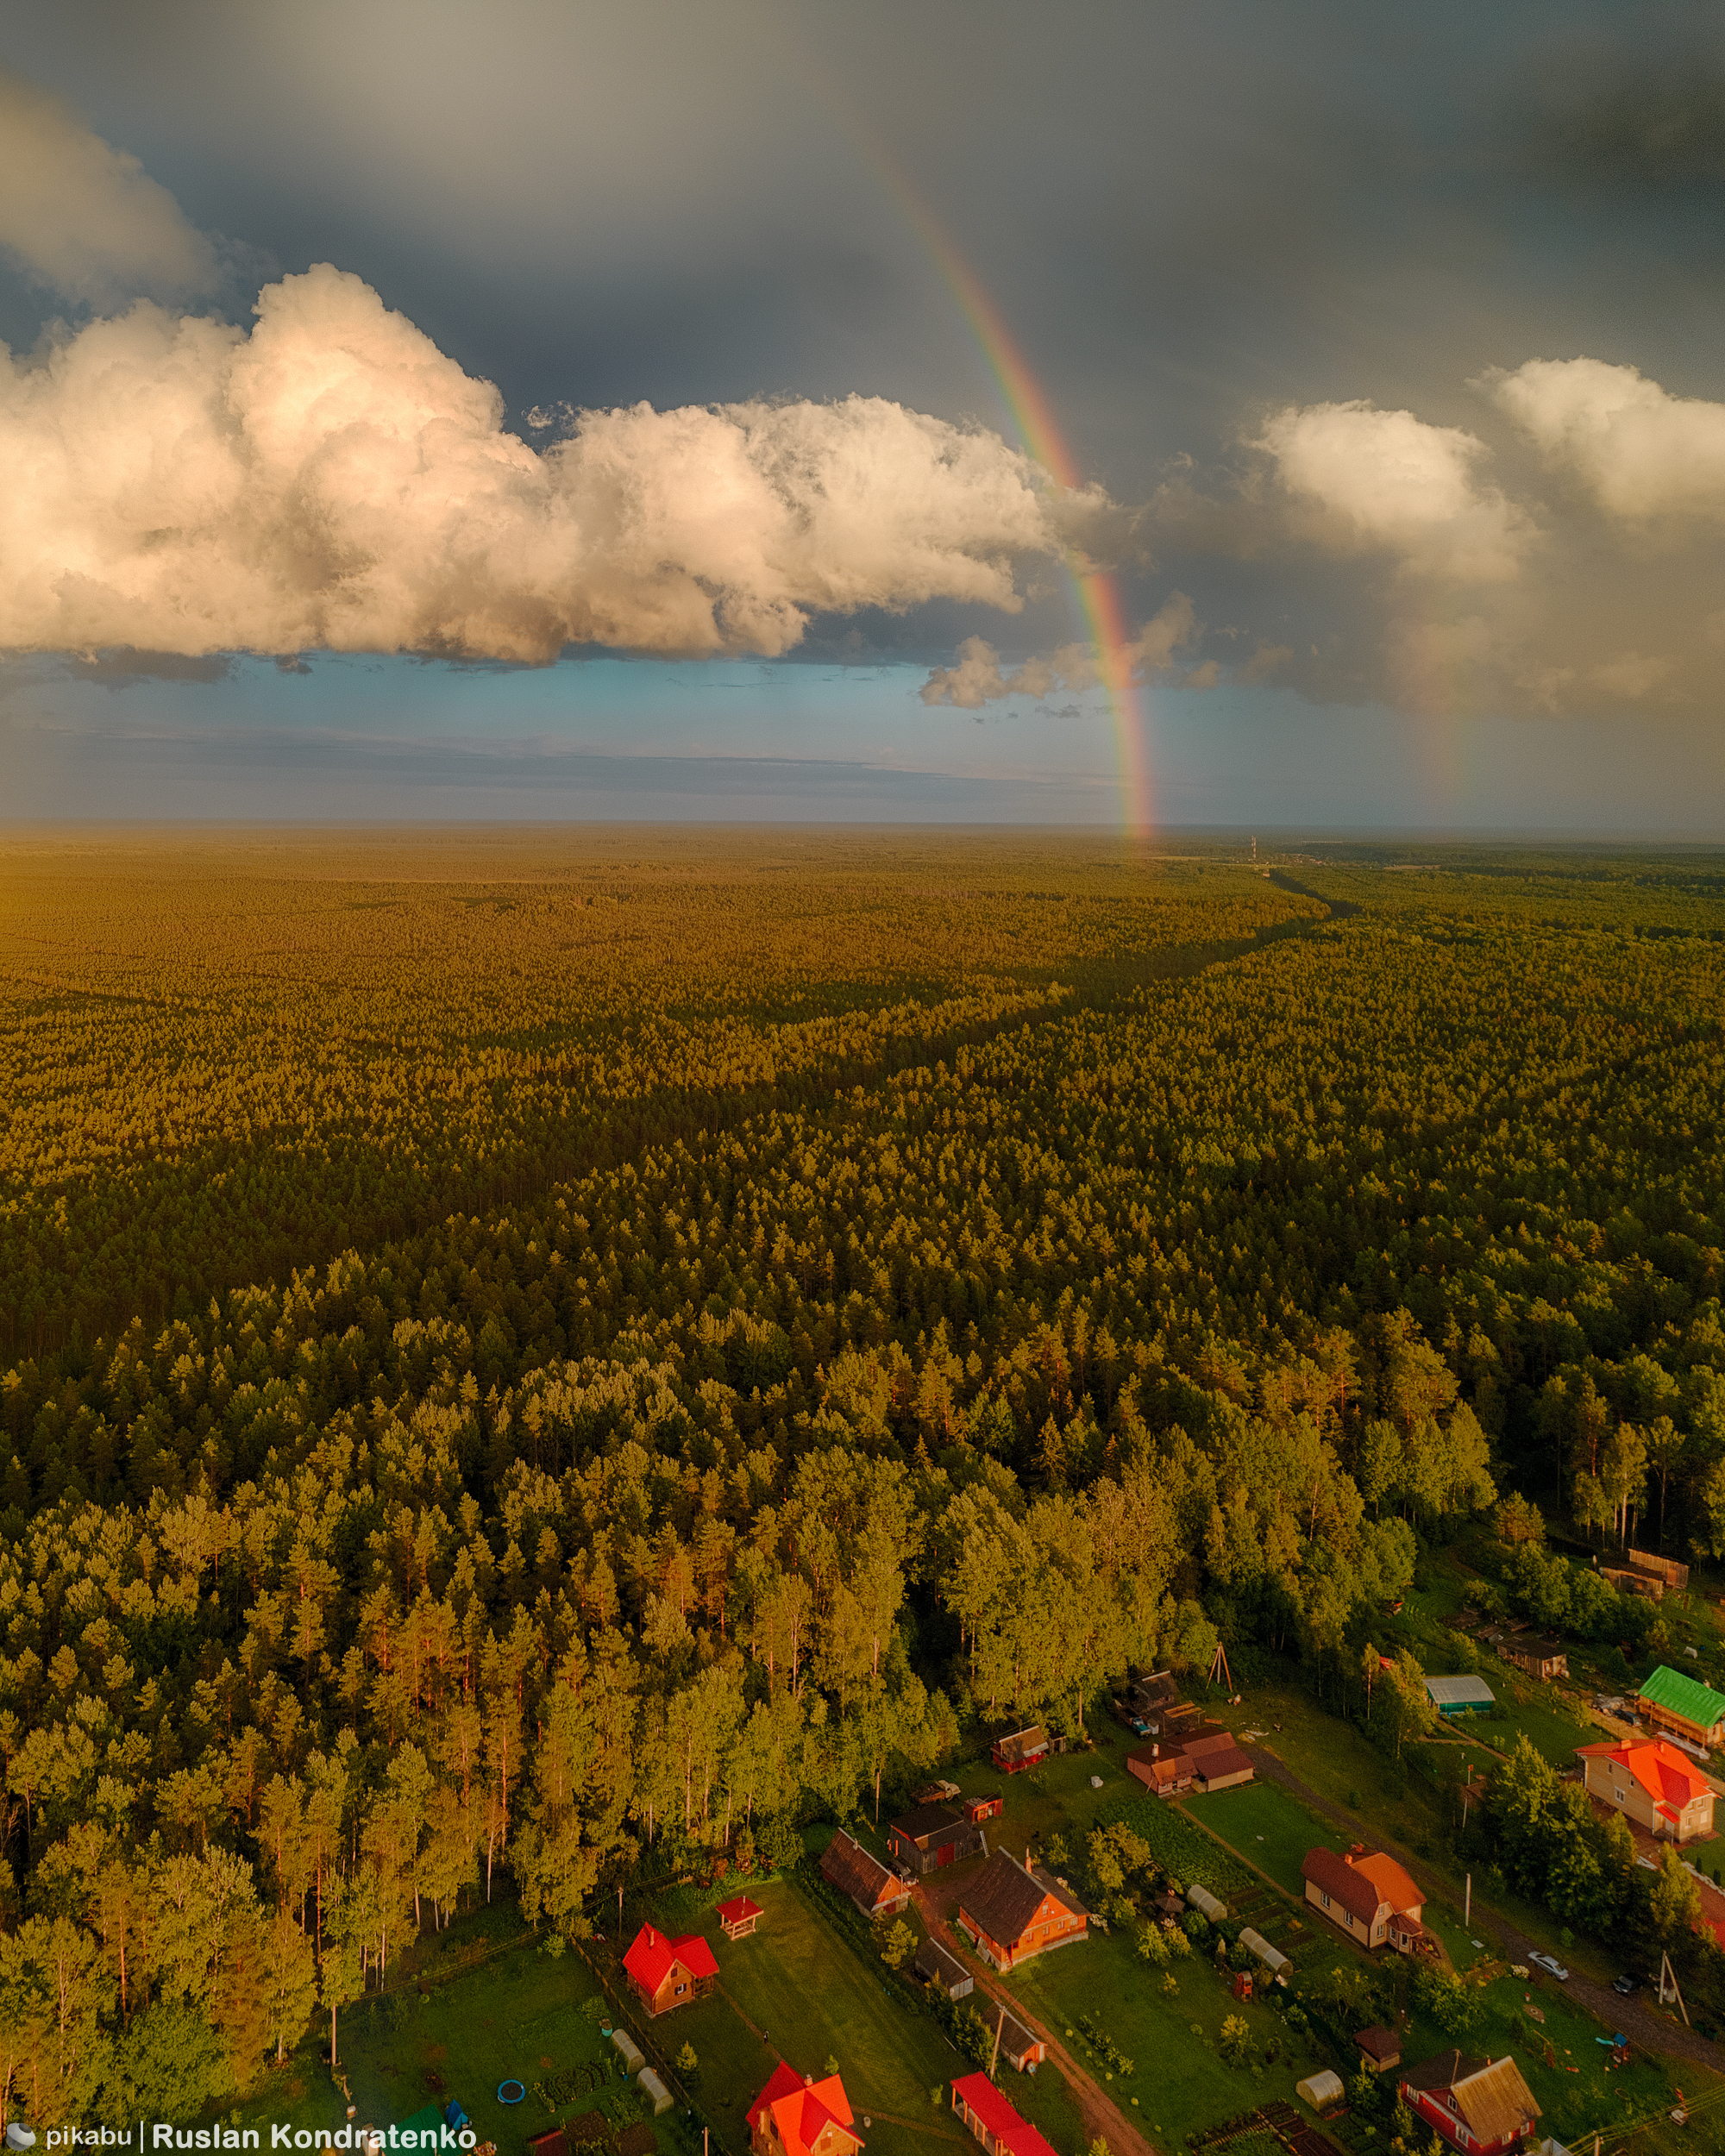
x: 510, y: 2091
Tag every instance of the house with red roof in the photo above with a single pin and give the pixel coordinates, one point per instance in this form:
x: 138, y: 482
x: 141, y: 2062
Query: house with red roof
x: 1370, y: 1897
x: 994, y: 2121
x: 669, y: 1972
x: 797, y: 2115
x: 1652, y: 1782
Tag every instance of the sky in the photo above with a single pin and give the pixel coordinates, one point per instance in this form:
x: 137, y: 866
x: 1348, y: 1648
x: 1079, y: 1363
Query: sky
x: 1157, y: 415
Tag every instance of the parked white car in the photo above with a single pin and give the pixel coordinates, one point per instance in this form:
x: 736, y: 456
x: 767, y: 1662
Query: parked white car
x: 1551, y: 1963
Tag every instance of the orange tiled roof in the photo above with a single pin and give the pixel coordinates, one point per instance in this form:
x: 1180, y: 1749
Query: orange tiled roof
x: 1661, y: 1770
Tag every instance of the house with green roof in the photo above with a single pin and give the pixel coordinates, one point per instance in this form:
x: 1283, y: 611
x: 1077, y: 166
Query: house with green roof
x: 1682, y: 1707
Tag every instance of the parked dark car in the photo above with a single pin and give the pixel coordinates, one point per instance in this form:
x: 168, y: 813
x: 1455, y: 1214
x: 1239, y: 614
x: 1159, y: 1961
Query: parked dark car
x: 1626, y: 1986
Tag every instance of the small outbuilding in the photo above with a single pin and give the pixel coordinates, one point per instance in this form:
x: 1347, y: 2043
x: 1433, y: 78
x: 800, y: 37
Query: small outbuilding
x: 935, y: 1964
x: 1023, y: 1748
x: 1379, y: 2048
x: 932, y: 1836
x: 657, y: 2095
x: 1272, y: 1957
x: 631, y: 2052
x: 1454, y: 1696
x: 738, y: 1918
x: 1320, y: 2090
x: 1206, y: 1905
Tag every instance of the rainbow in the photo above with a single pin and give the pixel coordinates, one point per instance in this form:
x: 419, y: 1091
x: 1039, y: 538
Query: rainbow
x: 1096, y: 592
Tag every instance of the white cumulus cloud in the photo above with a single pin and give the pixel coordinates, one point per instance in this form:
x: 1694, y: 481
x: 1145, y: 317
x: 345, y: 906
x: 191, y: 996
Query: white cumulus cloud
x: 85, y: 218
x: 332, y: 480
x: 1375, y: 481
x: 1641, y: 452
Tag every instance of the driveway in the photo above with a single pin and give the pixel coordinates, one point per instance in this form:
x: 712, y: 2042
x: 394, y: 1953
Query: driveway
x: 937, y: 1896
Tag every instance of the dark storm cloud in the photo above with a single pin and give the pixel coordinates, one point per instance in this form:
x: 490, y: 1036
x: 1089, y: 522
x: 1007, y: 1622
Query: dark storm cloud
x: 1266, y: 265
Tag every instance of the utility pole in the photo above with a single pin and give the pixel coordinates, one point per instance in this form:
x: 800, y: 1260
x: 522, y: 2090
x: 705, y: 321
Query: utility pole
x: 1467, y: 1906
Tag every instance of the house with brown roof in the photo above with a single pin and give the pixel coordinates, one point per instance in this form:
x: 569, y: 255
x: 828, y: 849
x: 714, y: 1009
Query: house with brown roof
x: 932, y: 1836
x: 1163, y: 1769
x: 1653, y: 1783
x: 1370, y: 1897
x: 1204, y: 1756
x: 1010, y: 1911
x: 666, y: 1972
x: 1481, y: 2106
x: 1537, y: 1654
x: 1023, y: 1748
x: 1380, y: 2049
x: 797, y: 2115
x: 849, y: 1866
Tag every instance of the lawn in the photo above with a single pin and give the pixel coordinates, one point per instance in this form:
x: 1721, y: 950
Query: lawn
x: 516, y: 2016
x: 1269, y: 1828
x: 1181, y: 2084
x: 796, y: 1990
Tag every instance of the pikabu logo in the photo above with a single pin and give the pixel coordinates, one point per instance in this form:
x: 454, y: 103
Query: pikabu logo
x: 160, y: 2135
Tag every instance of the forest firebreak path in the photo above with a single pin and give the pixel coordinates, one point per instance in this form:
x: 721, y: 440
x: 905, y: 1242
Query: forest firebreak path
x: 1649, y: 2030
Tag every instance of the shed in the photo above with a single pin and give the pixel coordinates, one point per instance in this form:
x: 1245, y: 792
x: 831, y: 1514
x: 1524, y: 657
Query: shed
x: 1381, y: 2048
x: 977, y: 1808
x: 633, y: 2056
x: 1206, y: 1905
x: 1460, y: 1695
x: 1020, y: 2047
x: 657, y: 2095
x: 1320, y: 2090
x: 936, y: 1964
x: 1023, y: 1748
x: 1272, y: 1957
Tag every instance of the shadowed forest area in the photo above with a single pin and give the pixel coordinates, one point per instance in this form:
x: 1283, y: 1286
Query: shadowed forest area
x: 513, y: 1340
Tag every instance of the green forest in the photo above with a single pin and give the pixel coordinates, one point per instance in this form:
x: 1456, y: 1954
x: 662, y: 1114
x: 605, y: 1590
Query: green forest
x: 519, y: 1347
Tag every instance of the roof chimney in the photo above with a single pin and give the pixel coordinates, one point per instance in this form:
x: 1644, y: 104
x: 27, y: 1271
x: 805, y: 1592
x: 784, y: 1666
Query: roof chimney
x: 808, y: 2081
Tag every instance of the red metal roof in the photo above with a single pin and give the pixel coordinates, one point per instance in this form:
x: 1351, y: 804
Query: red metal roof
x: 652, y: 1957
x: 982, y: 2097
x: 735, y: 1912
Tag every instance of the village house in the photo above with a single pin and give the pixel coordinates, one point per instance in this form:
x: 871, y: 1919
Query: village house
x: 1010, y: 1912
x: 1682, y: 1707
x: 1370, y: 1897
x: 1023, y: 1748
x: 669, y: 1972
x: 1480, y: 2105
x: 1205, y: 1755
x: 797, y: 2115
x: 932, y: 1836
x: 848, y: 1865
x: 1652, y: 1782
x: 993, y: 2121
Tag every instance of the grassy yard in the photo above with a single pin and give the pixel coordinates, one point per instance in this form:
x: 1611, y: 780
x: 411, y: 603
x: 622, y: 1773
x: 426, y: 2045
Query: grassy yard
x: 1181, y: 2084
x: 1269, y: 1828
x: 795, y: 1990
x: 518, y: 2016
